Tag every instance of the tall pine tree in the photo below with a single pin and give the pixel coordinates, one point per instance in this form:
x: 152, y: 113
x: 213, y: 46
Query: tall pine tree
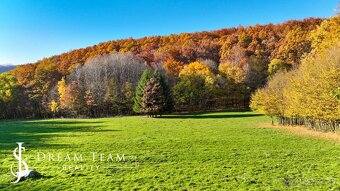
x: 152, y: 102
x: 147, y: 74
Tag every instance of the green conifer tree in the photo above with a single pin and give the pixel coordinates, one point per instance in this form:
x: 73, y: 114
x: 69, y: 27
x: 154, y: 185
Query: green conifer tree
x: 153, y: 101
x: 147, y: 74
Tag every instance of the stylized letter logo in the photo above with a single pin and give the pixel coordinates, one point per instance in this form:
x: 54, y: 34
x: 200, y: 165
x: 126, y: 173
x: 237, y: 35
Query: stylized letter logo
x: 21, y: 173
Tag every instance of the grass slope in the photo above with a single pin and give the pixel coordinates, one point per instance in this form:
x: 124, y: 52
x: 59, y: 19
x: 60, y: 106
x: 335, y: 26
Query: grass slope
x: 189, y: 152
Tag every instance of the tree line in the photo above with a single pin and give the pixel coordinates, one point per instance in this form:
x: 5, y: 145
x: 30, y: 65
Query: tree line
x: 202, y: 71
x: 123, y: 84
x: 308, y: 95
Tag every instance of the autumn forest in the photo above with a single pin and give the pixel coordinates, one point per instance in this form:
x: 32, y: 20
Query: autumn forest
x: 289, y: 71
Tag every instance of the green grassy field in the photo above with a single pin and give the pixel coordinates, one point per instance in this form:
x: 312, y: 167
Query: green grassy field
x: 212, y: 151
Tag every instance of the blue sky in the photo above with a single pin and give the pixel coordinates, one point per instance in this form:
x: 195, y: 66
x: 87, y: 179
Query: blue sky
x: 33, y: 29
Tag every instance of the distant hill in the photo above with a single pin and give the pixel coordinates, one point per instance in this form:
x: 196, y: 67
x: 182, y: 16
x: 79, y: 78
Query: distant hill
x: 6, y: 68
x: 236, y: 59
x: 287, y: 41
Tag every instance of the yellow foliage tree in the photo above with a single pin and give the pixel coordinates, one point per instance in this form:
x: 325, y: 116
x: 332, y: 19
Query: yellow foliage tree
x: 62, y: 90
x: 326, y: 35
x: 270, y: 100
x: 307, y: 95
x: 8, y: 86
x: 199, y: 69
x: 311, y: 93
x: 54, y: 106
x: 232, y: 72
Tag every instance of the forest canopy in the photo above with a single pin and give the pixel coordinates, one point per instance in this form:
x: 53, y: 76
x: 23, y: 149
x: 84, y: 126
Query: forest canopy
x: 203, y: 71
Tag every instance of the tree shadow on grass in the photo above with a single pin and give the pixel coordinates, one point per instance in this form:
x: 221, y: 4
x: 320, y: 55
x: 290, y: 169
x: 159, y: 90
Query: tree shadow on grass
x: 211, y: 116
x: 35, y: 133
x: 63, y: 122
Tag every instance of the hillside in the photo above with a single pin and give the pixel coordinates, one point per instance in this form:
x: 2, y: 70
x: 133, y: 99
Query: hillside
x: 214, y: 70
x: 287, y: 41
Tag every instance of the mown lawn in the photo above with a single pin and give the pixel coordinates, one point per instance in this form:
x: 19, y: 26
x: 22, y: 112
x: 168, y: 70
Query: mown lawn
x: 212, y: 151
